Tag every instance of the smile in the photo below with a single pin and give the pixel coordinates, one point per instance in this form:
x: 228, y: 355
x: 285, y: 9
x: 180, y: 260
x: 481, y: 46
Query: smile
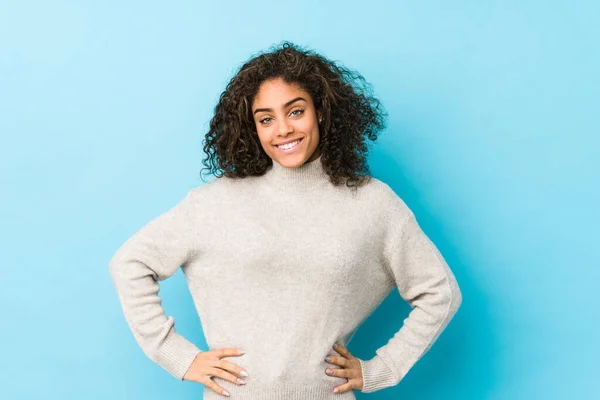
x: 289, y: 147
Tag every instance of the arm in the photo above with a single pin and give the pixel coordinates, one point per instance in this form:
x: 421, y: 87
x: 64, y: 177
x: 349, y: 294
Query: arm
x: 426, y: 282
x: 154, y: 253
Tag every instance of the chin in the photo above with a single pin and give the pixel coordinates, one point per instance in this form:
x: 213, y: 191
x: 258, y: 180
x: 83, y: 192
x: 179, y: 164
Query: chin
x: 292, y: 160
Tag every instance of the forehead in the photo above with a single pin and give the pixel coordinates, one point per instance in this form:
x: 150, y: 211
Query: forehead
x: 274, y: 92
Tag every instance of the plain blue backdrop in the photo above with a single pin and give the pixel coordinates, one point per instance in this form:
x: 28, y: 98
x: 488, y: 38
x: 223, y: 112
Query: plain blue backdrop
x: 492, y: 140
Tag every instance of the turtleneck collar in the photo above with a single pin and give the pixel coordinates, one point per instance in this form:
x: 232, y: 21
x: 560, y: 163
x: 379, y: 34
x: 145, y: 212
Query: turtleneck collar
x: 307, y: 175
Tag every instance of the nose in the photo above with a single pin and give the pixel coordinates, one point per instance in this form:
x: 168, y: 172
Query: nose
x: 285, y: 127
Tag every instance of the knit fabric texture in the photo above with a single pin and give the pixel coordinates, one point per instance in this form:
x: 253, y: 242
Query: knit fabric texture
x: 283, y: 266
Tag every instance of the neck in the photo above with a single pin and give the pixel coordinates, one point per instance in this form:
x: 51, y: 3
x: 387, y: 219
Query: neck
x: 304, y: 176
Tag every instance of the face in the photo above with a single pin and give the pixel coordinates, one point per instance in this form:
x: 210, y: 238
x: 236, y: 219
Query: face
x: 284, y: 114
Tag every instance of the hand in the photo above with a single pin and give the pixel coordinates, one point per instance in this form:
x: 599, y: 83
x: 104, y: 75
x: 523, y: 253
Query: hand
x: 208, y: 364
x: 351, y: 369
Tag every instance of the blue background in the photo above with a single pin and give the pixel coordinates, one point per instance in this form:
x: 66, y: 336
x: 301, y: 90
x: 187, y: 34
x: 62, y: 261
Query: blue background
x: 492, y: 141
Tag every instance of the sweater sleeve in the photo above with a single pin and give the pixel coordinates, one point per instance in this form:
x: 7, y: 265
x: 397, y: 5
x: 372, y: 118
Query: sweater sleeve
x: 426, y: 282
x: 154, y: 253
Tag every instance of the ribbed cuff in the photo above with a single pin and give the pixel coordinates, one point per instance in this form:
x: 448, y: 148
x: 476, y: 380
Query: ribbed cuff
x: 176, y: 354
x: 376, y: 375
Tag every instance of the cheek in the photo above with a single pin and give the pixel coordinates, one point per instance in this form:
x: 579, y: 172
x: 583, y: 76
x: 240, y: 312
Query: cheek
x: 307, y: 125
x: 264, y: 139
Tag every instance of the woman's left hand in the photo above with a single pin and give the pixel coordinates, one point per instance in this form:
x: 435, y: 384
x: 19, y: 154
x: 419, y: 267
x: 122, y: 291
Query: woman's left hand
x: 350, y: 369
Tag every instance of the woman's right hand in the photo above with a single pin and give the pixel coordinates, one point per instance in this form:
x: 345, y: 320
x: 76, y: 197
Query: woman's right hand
x: 208, y: 364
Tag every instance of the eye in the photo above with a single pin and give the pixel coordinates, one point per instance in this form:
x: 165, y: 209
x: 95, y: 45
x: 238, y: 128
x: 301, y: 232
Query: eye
x: 295, y: 113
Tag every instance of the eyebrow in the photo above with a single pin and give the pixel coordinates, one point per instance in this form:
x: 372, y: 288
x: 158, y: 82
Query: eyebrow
x: 284, y: 106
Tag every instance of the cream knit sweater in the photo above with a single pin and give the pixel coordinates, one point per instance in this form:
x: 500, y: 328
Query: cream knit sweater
x: 283, y: 266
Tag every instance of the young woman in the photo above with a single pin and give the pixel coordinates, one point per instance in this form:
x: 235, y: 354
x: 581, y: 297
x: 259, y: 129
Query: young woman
x: 290, y: 248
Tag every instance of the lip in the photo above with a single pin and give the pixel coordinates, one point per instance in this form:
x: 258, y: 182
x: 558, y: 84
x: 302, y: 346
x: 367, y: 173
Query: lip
x: 293, y: 149
x: 289, y: 141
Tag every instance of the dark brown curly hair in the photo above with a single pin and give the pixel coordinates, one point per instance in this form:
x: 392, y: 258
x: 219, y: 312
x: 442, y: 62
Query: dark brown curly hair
x: 351, y: 114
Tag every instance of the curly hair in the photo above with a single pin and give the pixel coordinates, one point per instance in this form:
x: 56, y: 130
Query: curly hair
x: 351, y: 114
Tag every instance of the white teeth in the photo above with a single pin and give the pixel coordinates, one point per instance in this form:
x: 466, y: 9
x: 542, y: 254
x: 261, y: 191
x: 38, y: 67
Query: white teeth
x: 288, y: 146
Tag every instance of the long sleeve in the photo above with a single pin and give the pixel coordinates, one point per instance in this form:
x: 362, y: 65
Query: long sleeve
x: 154, y: 253
x: 426, y: 282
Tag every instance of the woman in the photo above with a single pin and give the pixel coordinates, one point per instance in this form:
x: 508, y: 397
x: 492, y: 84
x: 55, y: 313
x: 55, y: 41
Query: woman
x: 290, y: 248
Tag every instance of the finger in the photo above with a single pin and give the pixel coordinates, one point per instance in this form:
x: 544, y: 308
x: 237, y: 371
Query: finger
x: 231, y: 367
x: 229, y: 352
x: 227, y: 376
x: 209, y: 383
x: 342, y: 350
x: 344, y: 388
x: 337, y: 360
x: 340, y: 372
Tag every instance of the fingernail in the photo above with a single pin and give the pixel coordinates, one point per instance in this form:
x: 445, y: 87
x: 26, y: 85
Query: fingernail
x: 240, y: 352
x: 243, y: 373
x: 335, y: 390
x: 240, y: 380
x: 225, y: 392
x: 328, y: 371
x: 328, y: 359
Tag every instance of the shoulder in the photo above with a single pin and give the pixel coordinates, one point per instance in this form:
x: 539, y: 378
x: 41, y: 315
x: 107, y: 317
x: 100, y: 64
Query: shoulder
x: 383, y: 198
x: 206, y: 191
x: 383, y: 193
x: 220, y: 191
